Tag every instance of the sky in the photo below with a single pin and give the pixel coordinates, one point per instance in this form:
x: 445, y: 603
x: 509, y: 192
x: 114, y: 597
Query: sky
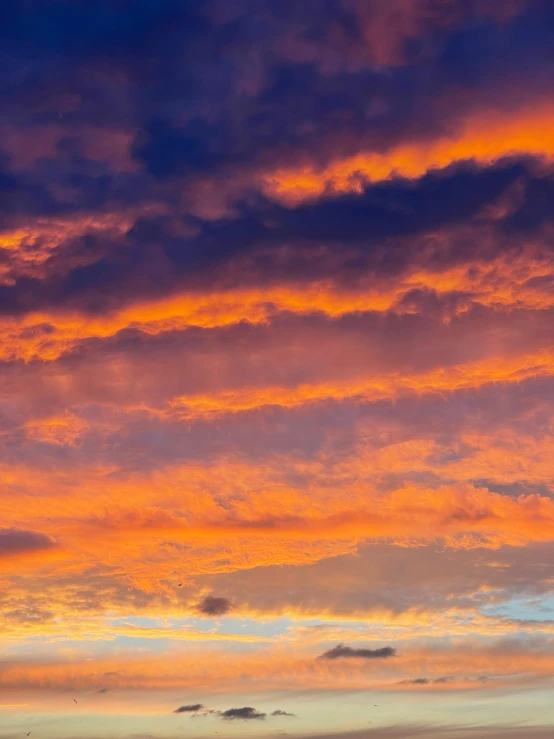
x: 277, y: 369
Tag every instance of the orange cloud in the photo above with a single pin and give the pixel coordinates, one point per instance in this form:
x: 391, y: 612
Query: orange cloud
x: 63, y: 430
x: 382, y: 386
x: 145, y: 546
x: 507, y: 282
x: 468, y: 664
x: 464, y: 516
x: 19, y: 622
x: 482, y: 137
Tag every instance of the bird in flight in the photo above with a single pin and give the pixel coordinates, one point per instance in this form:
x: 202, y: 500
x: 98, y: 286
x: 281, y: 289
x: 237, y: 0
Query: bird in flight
x: 27, y: 733
x: 74, y: 701
x: 180, y: 585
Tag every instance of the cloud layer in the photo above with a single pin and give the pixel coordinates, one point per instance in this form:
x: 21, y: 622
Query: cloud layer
x: 277, y: 365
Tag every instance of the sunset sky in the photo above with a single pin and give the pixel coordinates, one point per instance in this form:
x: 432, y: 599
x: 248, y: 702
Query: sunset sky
x: 277, y: 369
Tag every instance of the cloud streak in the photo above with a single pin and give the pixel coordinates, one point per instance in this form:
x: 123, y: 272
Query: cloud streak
x: 341, y: 651
x: 191, y: 708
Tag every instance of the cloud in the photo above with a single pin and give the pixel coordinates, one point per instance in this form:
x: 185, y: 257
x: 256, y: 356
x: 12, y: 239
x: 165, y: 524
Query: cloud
x: 343, y: 651
x: 192, y: 708
x: 278, y: 712
x: 416, y: 159
x: 247, y: 252
x: 214, y: 606
x: 276, y: 298
x: 460, y: 731
x: 28, y: 615
x: 522, y: 661
x: 245, y: 713
x: 17, y: 541
x: 437, y: 681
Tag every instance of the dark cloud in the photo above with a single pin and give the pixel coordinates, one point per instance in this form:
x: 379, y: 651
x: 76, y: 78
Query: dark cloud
x: 338, y: 237
x: 278, y: 712
x: 214, y: 606
x: 167, y: 151
x: 207, y: 94
x: 17, y: 541
x: 192, y: 708
x: 343, y: 651
x: 437, y: 681
x: 245, y: 713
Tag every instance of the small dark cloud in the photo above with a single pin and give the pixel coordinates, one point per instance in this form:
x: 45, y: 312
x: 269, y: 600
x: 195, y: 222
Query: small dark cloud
x: 242, y: 713
x: 192, y: 708
x: 17, y: 541
x: 341, y: 651
x: 426, y: 681
x: 103, y: 690
x: 278, y: 712
x: 213, y: 606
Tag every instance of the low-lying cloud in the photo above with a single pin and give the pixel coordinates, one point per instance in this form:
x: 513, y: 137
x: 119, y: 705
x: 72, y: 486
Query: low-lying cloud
x: 245, y: 713
x: 192, y: 708
x: 214, y: 606
x: 436, y: 681
x: 341, y: 651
